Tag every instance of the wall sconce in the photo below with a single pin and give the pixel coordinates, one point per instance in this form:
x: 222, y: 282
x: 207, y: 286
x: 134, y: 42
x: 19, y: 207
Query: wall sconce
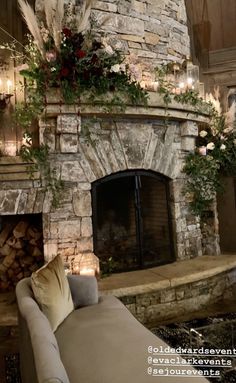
x: 87, y: 264
x: 5, y: 96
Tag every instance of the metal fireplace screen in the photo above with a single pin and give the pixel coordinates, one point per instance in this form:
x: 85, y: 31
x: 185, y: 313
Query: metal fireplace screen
x: 131, y: 221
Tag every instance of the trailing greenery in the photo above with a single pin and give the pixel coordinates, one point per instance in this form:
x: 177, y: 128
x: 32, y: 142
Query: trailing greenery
x: 215, y: 152
x: 41, y: 162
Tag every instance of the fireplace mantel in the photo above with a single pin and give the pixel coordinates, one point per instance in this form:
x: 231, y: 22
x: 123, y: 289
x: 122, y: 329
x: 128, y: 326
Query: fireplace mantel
x: 155, y: 108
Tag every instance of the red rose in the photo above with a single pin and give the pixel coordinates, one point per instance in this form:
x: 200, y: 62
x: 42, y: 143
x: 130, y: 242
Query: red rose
x: 80, y: 53
x: 67, y: 32
x: 64, y: 72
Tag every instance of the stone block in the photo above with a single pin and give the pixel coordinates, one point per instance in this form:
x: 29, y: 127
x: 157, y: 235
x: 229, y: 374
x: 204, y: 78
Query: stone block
x: 120, y: 23
x: 72, y: 171
x: 134, y: 38
x: 68, y: 123
x: 151, y: 38
x: 167, y: 296
x: 84, y: 245
x: 69, y: 230
x: 138, y: 6
x: 30, y: 201
x: 156, y: 27
x: 49, y: 139
x: 86, y: 227
x: 69, y: 143
x: 102, y: 6
x: 9, y: 201
x: 84, y: 186
x: 66, y: 251
x: 82, y: 203
x: 179, y: 294
x: 188, y: 144
x: 189, y: 128
x: 134, y: 45
x: 50, y: 250
x: 22, y: 202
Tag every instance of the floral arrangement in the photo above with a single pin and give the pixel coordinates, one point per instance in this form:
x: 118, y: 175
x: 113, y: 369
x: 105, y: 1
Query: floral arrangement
x: 215, y: 152
x: 63, y: 53
x: 214, y: 156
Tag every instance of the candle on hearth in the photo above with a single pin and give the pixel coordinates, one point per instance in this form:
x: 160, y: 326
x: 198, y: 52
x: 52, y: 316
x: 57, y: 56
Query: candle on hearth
x: 88, y: 272
x: 86, y: 264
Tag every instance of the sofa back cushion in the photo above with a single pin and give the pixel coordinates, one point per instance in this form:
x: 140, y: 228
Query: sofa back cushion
x: 52, y: 292
x: 48, y: 364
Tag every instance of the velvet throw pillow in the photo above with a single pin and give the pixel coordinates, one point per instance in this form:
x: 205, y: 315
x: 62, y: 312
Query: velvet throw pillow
x: 52, y: 293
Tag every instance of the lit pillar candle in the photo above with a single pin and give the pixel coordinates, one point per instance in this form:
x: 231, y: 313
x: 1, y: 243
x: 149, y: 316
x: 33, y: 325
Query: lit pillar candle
x: 181, y: 87
x: 9, y: 85
x: 87, y: 271
x: 190, y: 83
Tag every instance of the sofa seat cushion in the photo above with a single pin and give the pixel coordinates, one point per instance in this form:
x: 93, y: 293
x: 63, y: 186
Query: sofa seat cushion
x: 104, y: 343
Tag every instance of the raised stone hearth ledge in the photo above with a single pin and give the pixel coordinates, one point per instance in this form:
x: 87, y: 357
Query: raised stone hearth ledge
x: 156, y: 107
x: 181, y: 289
x: 167, y: 276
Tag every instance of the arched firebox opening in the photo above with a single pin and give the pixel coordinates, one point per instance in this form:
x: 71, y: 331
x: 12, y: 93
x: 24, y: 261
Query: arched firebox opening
x: 131, y: 221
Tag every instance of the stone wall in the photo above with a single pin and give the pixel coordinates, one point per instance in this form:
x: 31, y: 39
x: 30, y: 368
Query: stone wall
x: 148, y: 32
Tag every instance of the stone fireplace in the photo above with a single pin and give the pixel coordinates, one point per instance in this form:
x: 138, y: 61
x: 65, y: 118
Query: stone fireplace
x: 123, y: 195
x: 121, y: 169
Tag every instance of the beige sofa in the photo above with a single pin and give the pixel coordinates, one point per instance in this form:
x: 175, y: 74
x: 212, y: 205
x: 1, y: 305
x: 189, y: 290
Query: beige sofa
x: 100, y: 342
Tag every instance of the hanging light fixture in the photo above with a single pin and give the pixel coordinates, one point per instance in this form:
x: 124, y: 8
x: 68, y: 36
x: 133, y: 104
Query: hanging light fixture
x: 192, y: 75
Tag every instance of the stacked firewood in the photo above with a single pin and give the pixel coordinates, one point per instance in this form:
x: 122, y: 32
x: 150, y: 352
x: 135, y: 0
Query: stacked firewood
x: 21, y: 253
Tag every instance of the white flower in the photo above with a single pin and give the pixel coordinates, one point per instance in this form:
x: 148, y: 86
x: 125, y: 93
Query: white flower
x: 115, y: 68
x: 222, y: 147
x: 211, y: 146
x: 108, y: 49
x: 202, y: 150
x: 203, y: 133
